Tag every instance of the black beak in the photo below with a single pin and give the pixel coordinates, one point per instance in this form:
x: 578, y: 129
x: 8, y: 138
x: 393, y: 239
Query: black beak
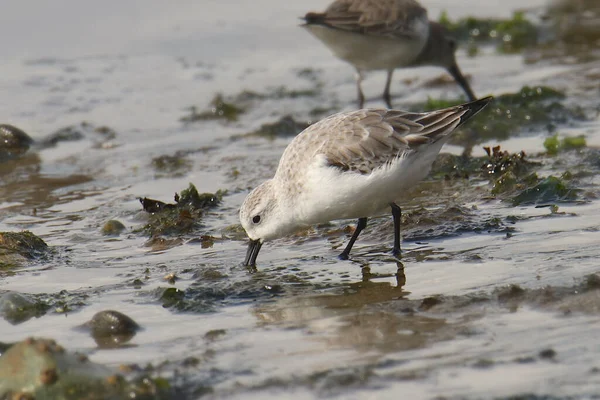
x: 253, y: 249
x: 460, y: 79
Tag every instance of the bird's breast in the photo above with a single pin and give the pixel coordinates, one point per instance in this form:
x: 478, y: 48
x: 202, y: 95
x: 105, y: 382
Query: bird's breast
x: 369, y: 52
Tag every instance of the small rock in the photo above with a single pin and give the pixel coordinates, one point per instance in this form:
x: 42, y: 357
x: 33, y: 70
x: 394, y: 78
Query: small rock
x: 41, y: 369
x: 113, y: 228
x: 429, y: 302
x: 33, y: 364
x: 111, y: 328
x: 592, y: 282
x: 17, y: 308
x: 171, y: 278
x: 214, y: 334
x: 24, y: 243
x: 67, y: 134
x: 548, y: 354
x: 13, y: 142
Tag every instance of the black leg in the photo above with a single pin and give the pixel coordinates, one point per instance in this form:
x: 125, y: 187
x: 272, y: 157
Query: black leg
x: 386, y: 92
x: 361, y: 96
x: 362, y: 224
x: 397, y: 214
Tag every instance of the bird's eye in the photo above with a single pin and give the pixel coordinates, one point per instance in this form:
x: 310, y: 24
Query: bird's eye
x: 256, y: 219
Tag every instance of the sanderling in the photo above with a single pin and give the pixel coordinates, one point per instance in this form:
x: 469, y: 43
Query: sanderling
x: 385, y: 35
x: 349, y: 165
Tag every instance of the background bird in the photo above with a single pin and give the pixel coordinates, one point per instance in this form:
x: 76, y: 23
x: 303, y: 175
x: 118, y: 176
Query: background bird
x: 385, y: 35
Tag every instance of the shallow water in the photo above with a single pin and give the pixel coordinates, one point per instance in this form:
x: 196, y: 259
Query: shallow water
x: 305, y: 324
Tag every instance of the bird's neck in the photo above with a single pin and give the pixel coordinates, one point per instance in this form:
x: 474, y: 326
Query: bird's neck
x: 428, y: 55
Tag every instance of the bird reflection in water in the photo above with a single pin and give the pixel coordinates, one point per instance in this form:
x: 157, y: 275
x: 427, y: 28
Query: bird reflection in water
x: 400, y: 276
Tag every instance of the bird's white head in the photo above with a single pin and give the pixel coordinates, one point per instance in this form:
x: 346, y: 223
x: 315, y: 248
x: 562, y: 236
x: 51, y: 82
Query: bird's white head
x: 263, y: 218
x: 258, y: 214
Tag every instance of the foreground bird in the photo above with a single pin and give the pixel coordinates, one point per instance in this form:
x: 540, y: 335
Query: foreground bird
x: 349, y: 165
x: 385, y: 35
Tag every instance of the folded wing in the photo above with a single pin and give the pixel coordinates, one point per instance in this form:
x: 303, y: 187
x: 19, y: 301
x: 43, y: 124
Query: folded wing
x: 394, y: 18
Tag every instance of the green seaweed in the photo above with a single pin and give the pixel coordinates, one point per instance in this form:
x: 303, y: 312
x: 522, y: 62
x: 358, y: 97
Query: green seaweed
x: 510, y: 35
x: 512, y: 177
x: 530, y: 109
x: 191, y: 197
x: 424, y: 223
x: 182, y: 217
x: 175, y: 165
x: 496, y: 165
x: 547, y: 190
x: 501, y: 162
x: 554, y: 145
x: 551, y: 144
x: 285, y: 126
x: 219, y: 110
x: 435, y: 104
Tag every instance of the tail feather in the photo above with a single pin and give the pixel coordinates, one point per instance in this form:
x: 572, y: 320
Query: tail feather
x: 314, y: 18
x: 473, y: 108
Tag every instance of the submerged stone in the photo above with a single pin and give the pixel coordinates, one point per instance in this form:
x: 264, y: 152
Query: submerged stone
x: 20, y: 244
x: 13, y: 142
x: 111, y: 328
x: 42, y: 369
x: 17, y: 308
x: 66, y: 134
x: 112, y: 228
x: 101, y: 135
x: 548, y: 354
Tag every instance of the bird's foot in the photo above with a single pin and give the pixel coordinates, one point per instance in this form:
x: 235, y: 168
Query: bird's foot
x: 344, y: 256
x: 396, y: 252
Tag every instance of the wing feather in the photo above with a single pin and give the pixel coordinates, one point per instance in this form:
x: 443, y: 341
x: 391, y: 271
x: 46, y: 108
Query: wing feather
x: 364, y: 140
x: 394, y: 18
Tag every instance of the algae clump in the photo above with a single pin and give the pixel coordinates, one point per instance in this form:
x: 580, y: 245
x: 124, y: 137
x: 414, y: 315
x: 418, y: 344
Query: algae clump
x: 509, y: 35
x: 181, y: 217
x: 554, y: 145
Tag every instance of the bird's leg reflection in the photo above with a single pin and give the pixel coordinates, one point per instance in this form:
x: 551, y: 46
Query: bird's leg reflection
x: 400, y: 275
x: 365, y: 271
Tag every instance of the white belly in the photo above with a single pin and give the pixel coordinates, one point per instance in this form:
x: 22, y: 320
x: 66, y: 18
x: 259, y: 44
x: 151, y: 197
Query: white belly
x: 332, y: 194
x: 368, y: 52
